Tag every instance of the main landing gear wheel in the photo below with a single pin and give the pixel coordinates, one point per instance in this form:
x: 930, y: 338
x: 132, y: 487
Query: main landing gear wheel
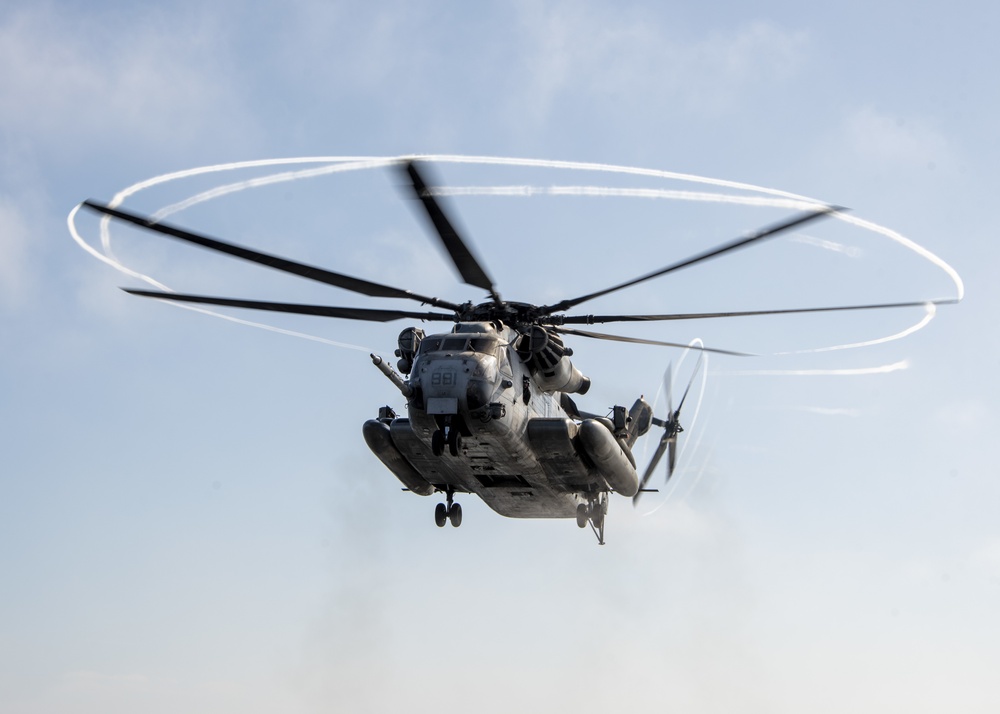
x: 454, y: 441
x: 455, y: 514
x: 593, y: 512
x: 448, y: 512
x: 597, y: 514
x: 437, y: 442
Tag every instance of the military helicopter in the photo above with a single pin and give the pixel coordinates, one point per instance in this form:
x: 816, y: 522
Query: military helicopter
x: 488, y: 402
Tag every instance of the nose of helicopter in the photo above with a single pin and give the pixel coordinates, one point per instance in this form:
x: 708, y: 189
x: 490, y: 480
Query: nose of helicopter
x: 452, y: 384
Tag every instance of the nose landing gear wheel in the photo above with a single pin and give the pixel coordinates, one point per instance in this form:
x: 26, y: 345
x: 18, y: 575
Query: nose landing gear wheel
x: 455, y: 514
x: 440, y: 515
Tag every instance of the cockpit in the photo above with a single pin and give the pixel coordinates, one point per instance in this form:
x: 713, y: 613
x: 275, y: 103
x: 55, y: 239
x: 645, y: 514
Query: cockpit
x: 481, y: 344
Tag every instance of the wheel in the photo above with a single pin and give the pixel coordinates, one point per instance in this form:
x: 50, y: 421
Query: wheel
x: 437, y: 442
x: 455, y: 515
x: 581, y: 515
x: 440, y: 515
x: 454, y: 441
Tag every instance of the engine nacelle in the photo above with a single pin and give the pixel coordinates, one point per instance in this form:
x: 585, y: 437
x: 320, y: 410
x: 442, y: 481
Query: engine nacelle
x: 548, y: 359
x: 408, y: 344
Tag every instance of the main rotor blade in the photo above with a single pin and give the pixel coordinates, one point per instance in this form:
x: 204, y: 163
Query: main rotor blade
x: 347, y: 313
x: 321, y: 275
x: 594, y: 319
x: 468, y: 267
x: 639, y: 341
x: 713, y: 253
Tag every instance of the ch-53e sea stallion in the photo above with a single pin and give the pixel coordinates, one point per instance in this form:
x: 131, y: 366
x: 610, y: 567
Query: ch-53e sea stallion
x: 489, y: 410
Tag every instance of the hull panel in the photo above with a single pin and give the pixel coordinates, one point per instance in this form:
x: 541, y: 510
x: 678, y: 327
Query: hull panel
x: 502, y: 472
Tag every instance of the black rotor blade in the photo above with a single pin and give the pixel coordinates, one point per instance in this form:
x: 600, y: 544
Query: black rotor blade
x: 640, y: 341
x: 468, y: 267
x: 347, y: 313
x: 594, y: 319
x: 668, y: 387
x: 328, y: 277
x: 687, y: 389
x: 713, y: 253
x: 648, y: 473
x: 671, y: 428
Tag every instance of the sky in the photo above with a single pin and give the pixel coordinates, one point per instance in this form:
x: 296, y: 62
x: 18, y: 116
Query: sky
x: 189, y: 517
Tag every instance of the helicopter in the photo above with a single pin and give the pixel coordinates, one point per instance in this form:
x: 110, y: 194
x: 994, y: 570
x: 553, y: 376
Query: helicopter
x: 489, y: 410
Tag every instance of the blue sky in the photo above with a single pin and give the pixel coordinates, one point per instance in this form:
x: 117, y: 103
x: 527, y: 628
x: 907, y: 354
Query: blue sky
x: 189, y: 518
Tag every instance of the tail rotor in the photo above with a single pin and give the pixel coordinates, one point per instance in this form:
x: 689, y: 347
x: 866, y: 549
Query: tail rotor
x: 671, y: 428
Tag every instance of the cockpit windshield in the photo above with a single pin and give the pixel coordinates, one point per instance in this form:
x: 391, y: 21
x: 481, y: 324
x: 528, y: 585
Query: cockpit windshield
x: 459, y: 343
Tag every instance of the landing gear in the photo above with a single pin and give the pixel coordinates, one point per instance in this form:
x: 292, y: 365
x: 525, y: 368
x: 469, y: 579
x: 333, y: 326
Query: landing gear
x: 593, y: 512
x: 455, y: 514
x: 454, y: 441
x: 448, y: 512
x: 450, y: 435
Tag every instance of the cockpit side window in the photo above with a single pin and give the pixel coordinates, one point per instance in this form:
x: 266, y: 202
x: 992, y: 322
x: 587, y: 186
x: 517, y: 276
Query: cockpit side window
x: 504, y: 362
x: 484, y: 345
x: 429, y: 344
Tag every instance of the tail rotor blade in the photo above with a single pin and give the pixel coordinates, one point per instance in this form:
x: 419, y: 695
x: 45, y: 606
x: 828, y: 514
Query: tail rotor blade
x: 687, y: 389
x: 674, y: 424
x: 668, y: 386
x: 651, y: 469
x: 663, y: 445
x: 671, y: 427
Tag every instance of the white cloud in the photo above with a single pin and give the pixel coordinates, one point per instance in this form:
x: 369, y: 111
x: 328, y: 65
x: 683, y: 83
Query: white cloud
x: 332, y: 44
x: 966, y: 419
x: 678, y: 519
x: 615, y: 57
x: 986, y: 558
x: 14, y: 280
x: 72, y: 78
x: 90, y: 681
x: 886, y: 142
x: 85, y: 691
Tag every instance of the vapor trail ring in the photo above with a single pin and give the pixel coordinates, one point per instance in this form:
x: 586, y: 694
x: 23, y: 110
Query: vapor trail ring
x: 336, y: 164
